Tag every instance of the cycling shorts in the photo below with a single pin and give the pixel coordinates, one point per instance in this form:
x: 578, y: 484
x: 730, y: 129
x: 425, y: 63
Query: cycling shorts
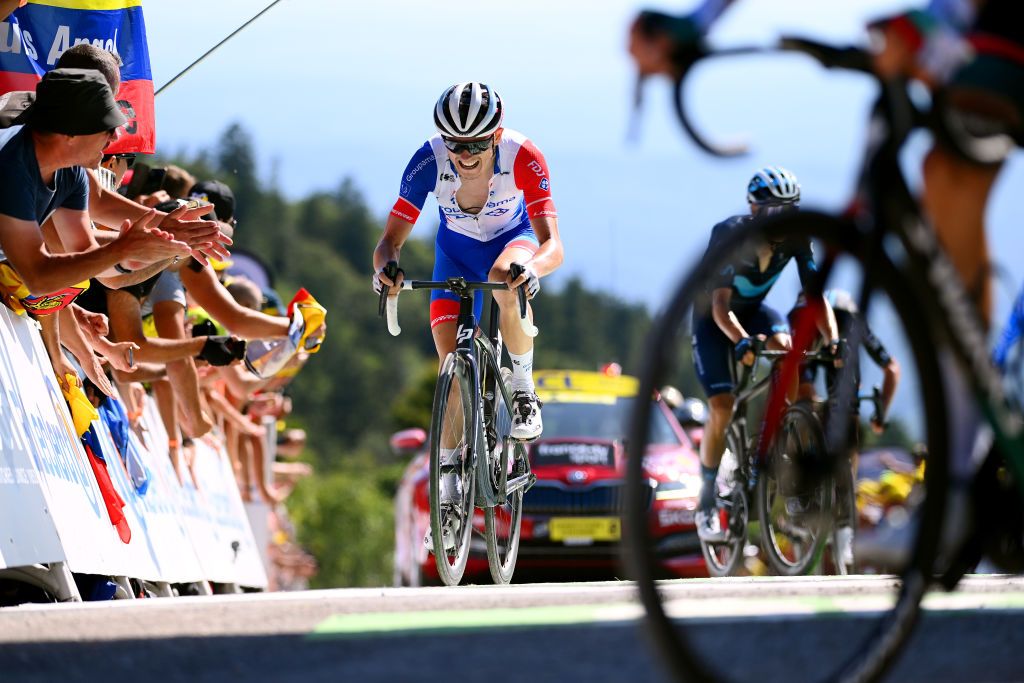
x: 995, y: 76
x: 713, y: 351
x: 456, y: 255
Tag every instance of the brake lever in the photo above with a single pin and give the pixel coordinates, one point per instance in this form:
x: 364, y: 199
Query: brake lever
x: 391, y: 270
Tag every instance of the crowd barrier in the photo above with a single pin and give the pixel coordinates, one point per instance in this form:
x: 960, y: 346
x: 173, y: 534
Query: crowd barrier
x: 53, y: 520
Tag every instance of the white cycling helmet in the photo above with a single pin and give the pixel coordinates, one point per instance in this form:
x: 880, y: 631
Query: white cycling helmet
x: 773, y: 185
x: 468, y: 110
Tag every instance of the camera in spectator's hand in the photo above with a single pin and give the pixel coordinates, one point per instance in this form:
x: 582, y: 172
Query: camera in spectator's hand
x: 222, y: 350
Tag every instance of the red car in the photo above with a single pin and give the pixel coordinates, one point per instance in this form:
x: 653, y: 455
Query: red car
x: 572, y: 516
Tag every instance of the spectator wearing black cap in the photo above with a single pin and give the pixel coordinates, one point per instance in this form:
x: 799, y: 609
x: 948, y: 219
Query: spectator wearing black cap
x: 105, y: 205
x: 72, y: 120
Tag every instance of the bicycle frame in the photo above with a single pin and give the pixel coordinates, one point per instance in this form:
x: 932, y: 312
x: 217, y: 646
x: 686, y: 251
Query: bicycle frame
x: 750, y: 386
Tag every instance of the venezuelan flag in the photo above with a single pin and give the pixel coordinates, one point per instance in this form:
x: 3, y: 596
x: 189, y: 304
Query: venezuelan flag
x: 34, y: 37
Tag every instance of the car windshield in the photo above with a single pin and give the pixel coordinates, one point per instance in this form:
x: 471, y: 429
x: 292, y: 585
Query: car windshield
x: 602, y: 421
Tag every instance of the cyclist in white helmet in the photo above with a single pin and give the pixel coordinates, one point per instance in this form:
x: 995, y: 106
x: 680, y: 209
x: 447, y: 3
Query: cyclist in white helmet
x: 494, y: 195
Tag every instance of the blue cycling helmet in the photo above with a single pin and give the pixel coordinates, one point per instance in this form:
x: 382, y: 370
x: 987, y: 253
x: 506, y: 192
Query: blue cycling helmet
x: 773, y: 185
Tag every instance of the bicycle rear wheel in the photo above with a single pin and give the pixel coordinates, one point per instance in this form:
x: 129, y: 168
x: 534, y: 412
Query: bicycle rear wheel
x: 452, y: 481
x: 502, y: 523
x: 795, y: 515
x: 723, y: 559
x: 693, y: 645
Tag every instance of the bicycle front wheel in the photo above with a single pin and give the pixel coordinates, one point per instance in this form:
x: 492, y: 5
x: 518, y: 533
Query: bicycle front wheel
x: 452, y: 481
x: 795, y: 515
x: 743, y: 626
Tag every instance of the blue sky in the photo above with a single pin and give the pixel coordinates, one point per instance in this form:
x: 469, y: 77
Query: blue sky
x: 334, y: 89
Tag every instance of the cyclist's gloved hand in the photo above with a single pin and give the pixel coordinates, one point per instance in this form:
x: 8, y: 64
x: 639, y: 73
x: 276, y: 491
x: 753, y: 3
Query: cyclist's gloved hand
x: 380, y: 279
x: 222, y: 350
x: 743, y: 352
x: 532, y: 282
x: 657, y: 41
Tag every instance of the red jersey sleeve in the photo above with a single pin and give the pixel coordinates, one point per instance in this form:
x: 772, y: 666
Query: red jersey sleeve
x: 530, y: 171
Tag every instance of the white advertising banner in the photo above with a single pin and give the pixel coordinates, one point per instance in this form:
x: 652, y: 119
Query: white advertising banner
x: 51, y: 507
x: 71, y: 494
x: 28, y: 533
x: 212, y: 512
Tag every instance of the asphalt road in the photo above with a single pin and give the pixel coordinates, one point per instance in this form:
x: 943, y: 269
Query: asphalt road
x: 760, y: 629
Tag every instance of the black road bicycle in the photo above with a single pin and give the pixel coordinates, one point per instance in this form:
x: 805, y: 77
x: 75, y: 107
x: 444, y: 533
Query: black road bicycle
x: 472, y: 452
x: 882, y: 243
x: 794, y: 518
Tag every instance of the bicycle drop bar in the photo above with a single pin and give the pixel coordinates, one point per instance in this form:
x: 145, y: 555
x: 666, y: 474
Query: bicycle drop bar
x: 458, y: 285
x: 848, y: 58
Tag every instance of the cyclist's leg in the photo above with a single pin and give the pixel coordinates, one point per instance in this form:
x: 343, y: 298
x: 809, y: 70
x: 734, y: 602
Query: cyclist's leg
x: 712, y: 357
x: 517, y: 246
x: 984, y: 99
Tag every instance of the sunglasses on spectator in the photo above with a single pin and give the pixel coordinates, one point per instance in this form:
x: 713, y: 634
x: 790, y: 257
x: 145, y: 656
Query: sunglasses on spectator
x: 473, y: 146
x: 128, y: 159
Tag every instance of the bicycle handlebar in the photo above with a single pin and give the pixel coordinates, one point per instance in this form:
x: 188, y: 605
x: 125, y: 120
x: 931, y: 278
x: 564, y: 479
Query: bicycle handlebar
x: 829, y: 56
x: 876, y: 400
x: 388, y: 305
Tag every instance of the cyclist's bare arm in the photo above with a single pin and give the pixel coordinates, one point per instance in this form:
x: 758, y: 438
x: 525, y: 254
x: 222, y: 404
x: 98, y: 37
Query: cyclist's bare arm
x: 396, y: 232
x: 721, y: 311
x: 550, y: 255
x: 890, y: 380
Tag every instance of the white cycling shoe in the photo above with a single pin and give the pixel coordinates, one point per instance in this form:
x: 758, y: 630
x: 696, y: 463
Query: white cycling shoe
x: 709, y: 528
x: 526, y: 422
x: 844, y: 546
x: 451, y: 497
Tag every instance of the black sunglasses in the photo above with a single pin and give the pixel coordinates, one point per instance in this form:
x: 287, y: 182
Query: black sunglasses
x: 473, y: 146
x: 129, y: 159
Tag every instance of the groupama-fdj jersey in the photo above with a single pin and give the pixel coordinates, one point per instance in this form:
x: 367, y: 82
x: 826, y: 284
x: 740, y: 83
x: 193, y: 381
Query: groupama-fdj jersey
x: 712, y: 349
x: 469, y: 244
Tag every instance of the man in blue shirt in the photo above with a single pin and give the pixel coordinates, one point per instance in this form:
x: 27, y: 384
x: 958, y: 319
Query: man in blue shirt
x: 42, y: 175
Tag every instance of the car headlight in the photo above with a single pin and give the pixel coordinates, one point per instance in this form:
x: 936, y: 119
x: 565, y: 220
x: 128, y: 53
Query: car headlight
x: 686, y: 486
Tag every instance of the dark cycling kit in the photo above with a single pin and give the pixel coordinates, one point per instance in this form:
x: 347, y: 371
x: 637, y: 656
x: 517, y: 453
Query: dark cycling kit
x: 712, y: 349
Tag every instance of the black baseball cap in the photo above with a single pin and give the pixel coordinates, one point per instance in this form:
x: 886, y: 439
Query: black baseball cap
x: 73, y: 102
x: 218, y: 194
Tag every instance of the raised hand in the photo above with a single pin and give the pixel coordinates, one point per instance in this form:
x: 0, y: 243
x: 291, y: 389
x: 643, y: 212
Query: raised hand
x: 148, y: 245
x: 122, y: 356
x: 93, y: 369
x: 204, y: 237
